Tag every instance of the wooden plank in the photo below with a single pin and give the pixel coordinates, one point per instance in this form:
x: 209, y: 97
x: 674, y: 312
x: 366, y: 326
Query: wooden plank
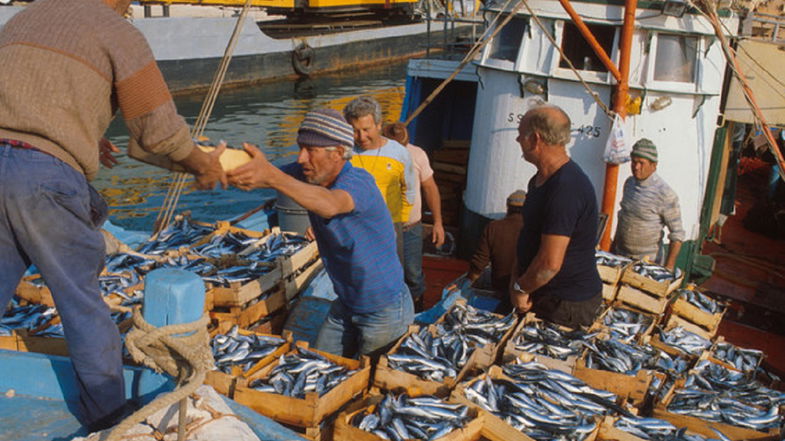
x: 451, y: 156
x: 651, y: 286
x: 641, y: 299
x: 631, y: 387
x: 610, y: 274
x: 705, y: 428
x: 609, y: 292
x: 450, y: 168
x: 456, y: 143
x: 706, y: 320
x: 42, y: 345
x: 676, y: 320
x: 311, y: 410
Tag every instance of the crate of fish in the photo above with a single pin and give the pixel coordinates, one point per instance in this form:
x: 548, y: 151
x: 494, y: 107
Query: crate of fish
x: 713, y: 398
x: 622, y: 367
x: 480, y: 326
x: 117, y: 289
x: 304, y: 386
x: 641, y: 299
x: 625, y: 322
x: 246, y: 316
x: 636, y: 428
x: 540, y: 403
x: 262, y: 266
x: 555, y: 346
x: 652, y: 278
x: 181, y: 234
x: 31, y: 328
x: 679, y: 341
x: 699, y: 309
x: 732, y: 356
x: 399, y: 416
x: 425, y: 361
x: 611, y: 266
x: 240, y: 353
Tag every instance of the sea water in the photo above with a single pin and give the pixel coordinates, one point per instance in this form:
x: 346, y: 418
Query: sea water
x: 267, y: 115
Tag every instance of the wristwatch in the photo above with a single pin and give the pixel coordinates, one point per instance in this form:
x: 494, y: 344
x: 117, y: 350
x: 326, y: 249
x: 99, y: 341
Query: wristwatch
x: 518, y: 288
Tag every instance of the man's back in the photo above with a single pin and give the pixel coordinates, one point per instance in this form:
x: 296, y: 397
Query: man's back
x: 69, y: 65
x: 497, y: 246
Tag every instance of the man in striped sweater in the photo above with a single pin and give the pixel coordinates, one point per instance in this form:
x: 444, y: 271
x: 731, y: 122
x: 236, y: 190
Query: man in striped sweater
x: 68, y: 66
x: 648, y: 204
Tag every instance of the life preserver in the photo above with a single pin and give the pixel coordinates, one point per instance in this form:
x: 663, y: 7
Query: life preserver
x: 302, y: 59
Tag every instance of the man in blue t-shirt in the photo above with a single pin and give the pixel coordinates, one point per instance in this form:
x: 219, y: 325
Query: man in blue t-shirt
x: 353, y: 230
x: 555, y: 273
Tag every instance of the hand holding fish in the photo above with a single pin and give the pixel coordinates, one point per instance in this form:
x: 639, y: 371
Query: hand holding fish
x: 257, y: 173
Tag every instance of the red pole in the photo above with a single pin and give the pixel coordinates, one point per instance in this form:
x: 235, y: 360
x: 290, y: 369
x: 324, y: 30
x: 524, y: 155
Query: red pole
x: 620, y: 107
x: 595, y: 45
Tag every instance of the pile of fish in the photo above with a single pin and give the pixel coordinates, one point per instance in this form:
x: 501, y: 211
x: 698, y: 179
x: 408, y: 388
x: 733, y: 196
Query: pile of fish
x: 28, y: 317
x: 400, y: 417
x: 740, y: 385
x: 618, y: 356
x: 656, y: 272
x: 432, y: 357
x: 276, y: 245
x: 545, y: 338
x: 302, y: 371
x: 544, y: 404
x: 745, y: 360
x: 605, y: 258
x: 128, y: 263
x: 700, y: 300
x: 626, y: 324
x: 684, y: 340
x: 223, y: 244
x: 182, y: 232
x: 480, y: 326
x: 659, y: 430
x: 244, y: 350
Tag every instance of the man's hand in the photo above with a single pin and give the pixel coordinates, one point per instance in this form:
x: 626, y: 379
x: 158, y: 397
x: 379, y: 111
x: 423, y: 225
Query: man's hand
x: 206, y: 167
x: 520, y: 301
x: 437, y: 235
x: 309, y: 234
x: 106, y: 152
x: 257, y: 173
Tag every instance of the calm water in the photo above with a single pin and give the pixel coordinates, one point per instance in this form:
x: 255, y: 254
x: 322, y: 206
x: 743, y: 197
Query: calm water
x: 267, y: 115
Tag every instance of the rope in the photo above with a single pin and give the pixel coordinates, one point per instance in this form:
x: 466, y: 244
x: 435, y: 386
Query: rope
x: 186, y: 357
x: 178, y: 184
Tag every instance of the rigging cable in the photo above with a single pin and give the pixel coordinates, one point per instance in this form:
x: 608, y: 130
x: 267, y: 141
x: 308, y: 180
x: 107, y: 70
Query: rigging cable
x: 178, y: 184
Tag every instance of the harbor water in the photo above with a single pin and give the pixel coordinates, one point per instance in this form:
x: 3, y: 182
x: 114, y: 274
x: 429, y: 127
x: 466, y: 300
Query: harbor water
x: 267, y: 115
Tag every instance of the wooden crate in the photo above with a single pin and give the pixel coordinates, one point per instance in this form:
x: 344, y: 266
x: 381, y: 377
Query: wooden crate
x: 611, y: 274
x: 721, y: 340
x: 633, y: 388
x: 703, y: 427
x: 609, y: 292
x: 311, y: 410
x: 600, y: 326
x: 656, y: 342
x: 498, y: 347
x: 254, y: 310
x: 224, y: 227
x: 272, y: 324
x: 42, y: 345
x: 674, y: 320
x: 705, y: 320
x: 225, y: 383
x: 344, y: 431
x: 239, y: 294
x: 651, y: 286
x: 641, y: 299
x: 32, y: 293
x: 511, y: 352
x: 388, y: 378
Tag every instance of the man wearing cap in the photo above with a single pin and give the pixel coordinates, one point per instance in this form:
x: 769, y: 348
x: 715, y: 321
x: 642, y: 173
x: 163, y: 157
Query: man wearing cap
x: 648, y: 204
x: 497, y: 246
x: 352, y: 228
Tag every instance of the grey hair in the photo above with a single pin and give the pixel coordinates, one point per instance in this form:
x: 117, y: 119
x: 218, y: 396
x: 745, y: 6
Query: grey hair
x: 554, y: 129
x: 347, y: 151
x: 361, y: 106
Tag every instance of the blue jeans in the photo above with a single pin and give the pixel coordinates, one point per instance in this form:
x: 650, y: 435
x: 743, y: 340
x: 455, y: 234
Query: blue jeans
x: 412, y: 260
x: 50, y: 217
x: 348, y: 334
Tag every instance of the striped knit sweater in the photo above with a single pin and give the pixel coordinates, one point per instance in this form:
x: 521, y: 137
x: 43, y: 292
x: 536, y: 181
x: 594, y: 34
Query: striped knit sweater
x: 647, y: 206
x: 68, y: 66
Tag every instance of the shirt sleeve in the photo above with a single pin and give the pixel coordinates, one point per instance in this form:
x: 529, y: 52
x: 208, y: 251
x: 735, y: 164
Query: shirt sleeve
x: 421, y: 164
x: 671, y: 217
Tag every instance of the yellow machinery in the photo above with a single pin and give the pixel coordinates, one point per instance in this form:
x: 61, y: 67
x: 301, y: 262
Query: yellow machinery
x: 307, y: 7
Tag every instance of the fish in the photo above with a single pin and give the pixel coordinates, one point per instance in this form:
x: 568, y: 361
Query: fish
x: 235, y: 349
x: 302, y: 371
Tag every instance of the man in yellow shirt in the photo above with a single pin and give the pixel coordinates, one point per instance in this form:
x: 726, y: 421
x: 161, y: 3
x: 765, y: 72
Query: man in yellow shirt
x: 385, y: 159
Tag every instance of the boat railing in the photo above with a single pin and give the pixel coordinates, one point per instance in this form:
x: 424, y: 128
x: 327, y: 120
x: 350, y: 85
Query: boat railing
x: 764, y: 26
x: 459, y: 31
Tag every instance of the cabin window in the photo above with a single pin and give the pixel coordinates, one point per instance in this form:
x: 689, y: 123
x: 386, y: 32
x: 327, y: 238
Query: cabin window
x: 675, y: 58
x: 506, y: 43
x: 578, y: 51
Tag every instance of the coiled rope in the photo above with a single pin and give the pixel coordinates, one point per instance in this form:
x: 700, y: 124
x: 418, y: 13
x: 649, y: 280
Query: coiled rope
x: 186, y: 357
x: 177, y: 185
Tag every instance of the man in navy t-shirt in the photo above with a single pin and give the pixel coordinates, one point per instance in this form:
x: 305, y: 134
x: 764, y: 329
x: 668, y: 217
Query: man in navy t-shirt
x: 556, y: 274
x: 353, y: 229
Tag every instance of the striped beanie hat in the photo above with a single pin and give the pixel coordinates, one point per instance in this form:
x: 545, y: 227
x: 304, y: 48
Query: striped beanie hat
x: 645, y: 149
x: 516, y: 198
x: 325, y: 128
